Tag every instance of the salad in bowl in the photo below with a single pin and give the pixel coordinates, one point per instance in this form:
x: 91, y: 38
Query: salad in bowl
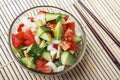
x: 46, y: 42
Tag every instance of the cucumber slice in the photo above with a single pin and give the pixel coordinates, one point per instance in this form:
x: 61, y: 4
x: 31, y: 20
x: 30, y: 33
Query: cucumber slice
x: 67, y: 58
x: 58, y: 63
x: 41, y: 30
x: 58, y: 31
x: 34, y: 51
x: 46, y: 55
x: 53, y: 16
x: 21, y: 53
x: 43, y: 44
x: 46, y: 36
x: 61, y: 19
x: 28, y: 62
x: 77, y: 39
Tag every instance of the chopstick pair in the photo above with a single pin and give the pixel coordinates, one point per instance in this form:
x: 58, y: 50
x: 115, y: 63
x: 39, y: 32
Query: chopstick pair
x: 99, y: 39
x: 100, y: 24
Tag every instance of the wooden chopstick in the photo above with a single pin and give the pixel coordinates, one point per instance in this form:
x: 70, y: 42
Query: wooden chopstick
x: 100, y: 24
x: 99, y: 39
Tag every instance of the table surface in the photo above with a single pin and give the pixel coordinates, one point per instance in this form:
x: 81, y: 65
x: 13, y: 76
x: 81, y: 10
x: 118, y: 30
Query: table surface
x: 96, y: 64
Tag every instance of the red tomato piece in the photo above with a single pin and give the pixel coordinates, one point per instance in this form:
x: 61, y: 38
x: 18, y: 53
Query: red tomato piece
x: 31, y: 19
x: 64, y: 27
x: 65, y: 45
x: 66, y: 18
x: 40, y: 65
x: 20, y: 35
x: 27, y: 42
x: 51, y: 26
x: 69, y: 45
x: 29, y: 36
x: 69, y: 34
x: 20, y: 27
x: 16, y: 41
x: 55, y: 46
x: 73, y: 46
x: 46, y: 69
x: 71, y: 25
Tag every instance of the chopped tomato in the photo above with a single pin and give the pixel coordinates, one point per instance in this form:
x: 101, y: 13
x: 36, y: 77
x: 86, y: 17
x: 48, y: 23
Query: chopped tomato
x: 16, y: 41
x: 71, y: 25
x: 69, y: 34
x: 29, y: 36
x: 51, y: 26
x: 27, y: 42
x: 66, y: 18
x: 55, y: 46
x: 20, y: 27
x: 73, y: 46
x: 20, y: 35
x: 65, y: 45
x: 41, y: 11
x: 52, y: 34
x: 40, y: 65
x: 69, y: 45
x: 31, y: 19
x: 64, y: 27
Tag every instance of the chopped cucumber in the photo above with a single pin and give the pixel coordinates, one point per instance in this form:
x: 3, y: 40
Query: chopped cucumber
x: 46, y: 36
x: 77, y: 39
x: 53, y: 16
x: 61, y: 19
x: 15, y: 50
x: 58, y: 31
x: 46, y: 55
x: 43, y: 44
x: 21, y: 53
x: 41, y: 30
x: 28, y: 62
x: 34, y: 51
x: 67, y: 58
x: 58, y: 64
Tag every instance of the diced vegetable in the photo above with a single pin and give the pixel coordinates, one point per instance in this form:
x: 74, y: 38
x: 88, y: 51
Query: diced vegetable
x: 58, y: 33
x: 53, y: 16
x: 67, y: 58
x: 41, y: 66
x: 58, y: 63
x: 43, y: 44
x: 60, y: 68
x: 46, y: 55
x: 46, y: 36
x: 77, y: 39
x: 28, y: 62
x: 34, y: 50
x: 52, y: 65
x: 21, y: 52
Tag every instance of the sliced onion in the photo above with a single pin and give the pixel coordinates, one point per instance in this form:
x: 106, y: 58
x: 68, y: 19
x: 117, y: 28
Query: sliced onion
x: 52, y: 65
x: 60, y: 68
x: 37, y: 40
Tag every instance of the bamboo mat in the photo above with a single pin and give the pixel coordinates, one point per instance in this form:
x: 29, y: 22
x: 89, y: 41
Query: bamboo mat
x: 96, y: 64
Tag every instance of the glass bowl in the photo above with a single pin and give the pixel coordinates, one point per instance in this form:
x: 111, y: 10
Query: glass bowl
x: 34, y: 11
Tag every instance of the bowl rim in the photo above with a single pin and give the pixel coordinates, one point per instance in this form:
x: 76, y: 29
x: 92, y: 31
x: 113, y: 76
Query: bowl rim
x: 38, y: 72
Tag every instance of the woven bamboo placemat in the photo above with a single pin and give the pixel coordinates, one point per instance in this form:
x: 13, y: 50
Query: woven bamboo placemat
x: 96, y: 64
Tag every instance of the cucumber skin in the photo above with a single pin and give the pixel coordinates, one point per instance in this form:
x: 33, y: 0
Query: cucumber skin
x: 46, y: 55
x: 46, y: 36
x: 53, y: 16
x: 28, y: 62
x: 34, y: 51
x: 67, y: 58
x: 58, y: 31
x: 43, y: 44
x: 21, y: 53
